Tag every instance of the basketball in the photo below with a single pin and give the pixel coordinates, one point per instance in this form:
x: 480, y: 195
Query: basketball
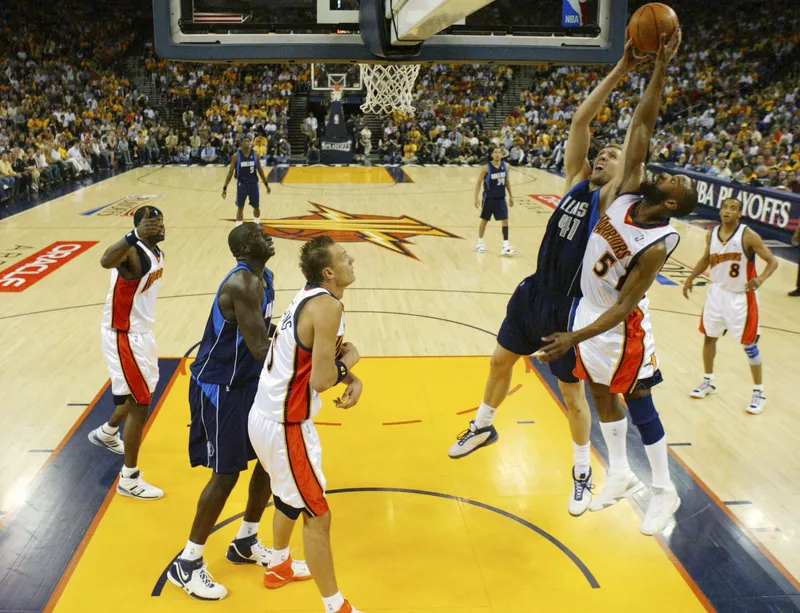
x: 649, y: 23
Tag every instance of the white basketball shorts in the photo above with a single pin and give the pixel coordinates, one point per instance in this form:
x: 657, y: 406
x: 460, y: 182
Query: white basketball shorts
x: 132, y: 360
x: 292, y: 456
x: 736, y: 312
x: 620, y: 357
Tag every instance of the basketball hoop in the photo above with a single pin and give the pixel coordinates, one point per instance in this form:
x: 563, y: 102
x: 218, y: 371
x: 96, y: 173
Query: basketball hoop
x: 390, y: 87
x: 336, y: 92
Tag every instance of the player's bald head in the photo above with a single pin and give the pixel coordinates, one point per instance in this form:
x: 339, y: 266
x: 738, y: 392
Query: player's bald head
x: 240, y: 236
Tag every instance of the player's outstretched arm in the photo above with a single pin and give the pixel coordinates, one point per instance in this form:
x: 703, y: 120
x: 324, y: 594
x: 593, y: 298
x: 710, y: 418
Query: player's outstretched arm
x: 636, y: 284
x: 644, y: 118
x: 123, y: 255
x: 325, y: 313
x: 576, y: 164
x: 231, y: 170
x: 699, y: 269
x: 753, y: 244
x: 245, y: 293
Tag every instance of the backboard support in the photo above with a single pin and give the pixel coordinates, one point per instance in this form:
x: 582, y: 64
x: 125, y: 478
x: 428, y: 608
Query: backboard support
x: 299, y: 31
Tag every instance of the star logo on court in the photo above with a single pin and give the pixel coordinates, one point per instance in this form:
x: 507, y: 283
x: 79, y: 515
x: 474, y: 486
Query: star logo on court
x: 392, y: 233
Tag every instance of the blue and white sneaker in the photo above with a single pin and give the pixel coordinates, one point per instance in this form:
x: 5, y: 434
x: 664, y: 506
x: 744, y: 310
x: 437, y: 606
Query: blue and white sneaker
x: 112, y: 442
x: 193, y: 578
x: 582, y: 489
x: 248, y: 550
x: 472, y: 439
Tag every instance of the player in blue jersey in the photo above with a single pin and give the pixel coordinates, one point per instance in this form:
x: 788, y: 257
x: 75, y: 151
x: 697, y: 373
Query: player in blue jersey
x: 221, y: 391
x: 246, y: 165
x: 543, y: 302
x: 493, y: 183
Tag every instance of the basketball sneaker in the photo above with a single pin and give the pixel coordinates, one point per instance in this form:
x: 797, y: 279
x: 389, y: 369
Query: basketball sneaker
x: 248, y: 550
x: 581, y: 493
x: 193, y: 578
x: 136, y: 487
x: 663, y: 505
x: 112, y: 442
x: 757, y: 402
x: 480, y: 247
x: 472, y: 439
x: 348, y: 608
x: 287, y: 571
x: 706, y: 388
x: 618, y: 485
x: 508, y: 251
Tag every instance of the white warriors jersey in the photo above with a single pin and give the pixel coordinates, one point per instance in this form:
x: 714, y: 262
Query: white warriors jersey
x: 131, y: 303
x: 615, y: 245
x: 284, y: 388
x: 730, y: 267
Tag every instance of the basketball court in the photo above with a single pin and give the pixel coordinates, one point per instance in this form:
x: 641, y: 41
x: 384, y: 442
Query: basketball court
x: 413, y: 531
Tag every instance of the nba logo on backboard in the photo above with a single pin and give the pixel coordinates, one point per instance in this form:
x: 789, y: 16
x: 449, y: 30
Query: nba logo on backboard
x: 573, y: 13
x: 336, y: 119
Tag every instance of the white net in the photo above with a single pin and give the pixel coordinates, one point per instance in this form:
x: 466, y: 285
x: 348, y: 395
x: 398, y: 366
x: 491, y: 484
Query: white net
x: 390, y: 87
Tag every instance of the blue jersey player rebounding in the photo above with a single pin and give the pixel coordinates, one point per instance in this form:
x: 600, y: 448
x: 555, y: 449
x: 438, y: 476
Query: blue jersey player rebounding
x: 493, y: 182
x: 221, y: 391
x: 543, y: 302
x: 246, y: 165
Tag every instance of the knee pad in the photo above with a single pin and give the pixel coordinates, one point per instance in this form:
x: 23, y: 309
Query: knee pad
x: 753, y: 355
x: 645, y: 417
x: 284, y: 508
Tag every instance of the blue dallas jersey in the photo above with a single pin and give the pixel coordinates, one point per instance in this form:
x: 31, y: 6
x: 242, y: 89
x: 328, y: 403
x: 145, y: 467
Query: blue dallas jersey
x: 565, y: 239
x: 246, y: 167
x: 223, y: 357
x: 494, y: 183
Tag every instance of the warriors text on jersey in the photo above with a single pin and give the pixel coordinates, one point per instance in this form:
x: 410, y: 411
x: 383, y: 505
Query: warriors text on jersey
x: 246, y: 167
x: 223, y: 356
x: 731, y: 269
x: 494, y: 184
x: 564, y: 242
x: 130, y: 304
x: 284, y: 390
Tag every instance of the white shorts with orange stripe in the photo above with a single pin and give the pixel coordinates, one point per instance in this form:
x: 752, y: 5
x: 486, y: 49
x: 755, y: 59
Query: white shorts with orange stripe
x: 734, y: 312
x: 292, y: 456
x: 620, y: 357
x: 132, y: 360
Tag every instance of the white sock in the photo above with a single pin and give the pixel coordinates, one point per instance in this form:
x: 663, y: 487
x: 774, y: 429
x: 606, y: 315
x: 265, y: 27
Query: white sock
x: 279, y: 557
x: 580, y: 457
x: 485, y: 416
x: 127, y: 473
x: 333, y: 603
x: 239, y: 223
x: 248, y: 528
x: 109, y: 430
x: 659, y: 463
x: 480, y: 241
x: 758, y: 387
x: 615, y: 434
x: 257, y: 220
x: 192, y: 552
x: 505, y: 243
x: 709, y: 377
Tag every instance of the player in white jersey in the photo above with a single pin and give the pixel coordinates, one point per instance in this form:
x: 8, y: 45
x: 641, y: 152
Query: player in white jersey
x: 306, y: 357
x: 129, y: 346
x: 611, y: 326
x: 732, y: 300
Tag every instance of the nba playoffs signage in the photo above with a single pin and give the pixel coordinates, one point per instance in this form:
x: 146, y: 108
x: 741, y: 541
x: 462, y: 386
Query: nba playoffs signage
x: 23, y: 274
x: 335, y: 151
x: 124, y: 207
x: 777, y: 209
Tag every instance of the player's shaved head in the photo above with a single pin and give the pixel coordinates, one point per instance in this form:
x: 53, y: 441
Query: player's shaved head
x: 240, y: 236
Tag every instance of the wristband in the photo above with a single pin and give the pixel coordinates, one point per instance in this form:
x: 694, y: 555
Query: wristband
x: 131, y: 237
x: 341, y: 371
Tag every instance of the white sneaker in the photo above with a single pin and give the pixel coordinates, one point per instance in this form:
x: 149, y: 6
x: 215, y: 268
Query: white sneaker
x: 706, y: 388
x: 112, y: 442
x: 480, y: 247
x: 136, y: 487
x: 581, y: 493
x: 757, y: 403
x: 508, y: 251
x: 193, y: 578
x: 248, y: 550
x: 663, y: 505
x: 617, y: 487
x: 472, y: 439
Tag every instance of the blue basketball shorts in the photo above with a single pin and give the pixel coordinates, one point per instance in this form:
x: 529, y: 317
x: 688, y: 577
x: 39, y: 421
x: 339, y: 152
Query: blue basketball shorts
x: 496, y: 207
x: 534, y: 312
x: 218, y: 437
x: 249, y: 192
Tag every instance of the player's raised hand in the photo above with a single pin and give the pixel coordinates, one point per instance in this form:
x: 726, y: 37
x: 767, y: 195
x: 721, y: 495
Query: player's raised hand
x: 687, y: 288
x: 629, y: 58
x: 558, y: 344
x: 668, y: 48
x: 150, y: 227
x: 351, y: 394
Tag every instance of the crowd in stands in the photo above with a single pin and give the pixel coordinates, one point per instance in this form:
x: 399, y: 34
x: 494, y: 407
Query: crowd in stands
x: 68, y: 108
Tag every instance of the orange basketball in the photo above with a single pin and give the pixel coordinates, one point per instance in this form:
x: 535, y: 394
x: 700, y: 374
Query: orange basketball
x: 649, y: 23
